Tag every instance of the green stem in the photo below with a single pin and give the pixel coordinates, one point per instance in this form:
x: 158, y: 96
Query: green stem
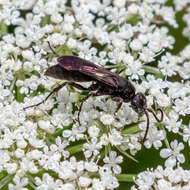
x: 153, y: 70
x: 3, y: 28
x: 31, y: 181
x: 131, y: 130
x: 74, y: 149
x: 6, y: 180
x: 126, y: 177
x: 126, y: 154
x: 120, y: 177
x: 166, y: 140
x: 13, y: 84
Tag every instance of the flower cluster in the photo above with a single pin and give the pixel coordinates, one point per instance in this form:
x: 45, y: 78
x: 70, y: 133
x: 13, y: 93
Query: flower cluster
x: 169, y: 178
x: 45, y: 147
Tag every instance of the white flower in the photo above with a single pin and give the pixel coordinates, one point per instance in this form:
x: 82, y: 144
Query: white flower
x: 22, y: 41
x: 46, y: 125
x: 69, y: 186
x: 119, y: 3
x: 134, y: 69
x: 91, y: 166
x: 56, y: 18
x: 92, y: 148
x: 182, y: 106
x: 136, y: 45
x: 66, y: 170
x: 179, y: 5
x: 112, y: 162
x: 164, y: 184
x: 97, y: 184
x: 168, y: 65
x: 28, y: 54
x: 11, y: 168
x: 10, y: 14
x: 155, y: 138
x: 84, y: 181
x: 93, y: 131
x: 47, y: 182
x: 172, y: 123
x: 163, y: 178
x: 145, y: 180
x: 168, y: 14
x: 104, y: 140
x: 27, y: 165
x: 173, y: 154
x: 133, y: 8
x: 106, y: 119
x: 19, y: 153
x: 4, y: 158
x: 75, y: 134
x: 18, y: 183
x: 34, y: 154
x: 60, y: 146
x: 71, y: 43
x: 184, y: 71
x: 108, y: 179
x: 115, y: 137
x: 50, y: 158
x: 56, y: 39
x: 37, y: 143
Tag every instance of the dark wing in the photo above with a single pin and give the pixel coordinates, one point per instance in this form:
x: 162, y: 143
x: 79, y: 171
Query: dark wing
x: 73, y: 63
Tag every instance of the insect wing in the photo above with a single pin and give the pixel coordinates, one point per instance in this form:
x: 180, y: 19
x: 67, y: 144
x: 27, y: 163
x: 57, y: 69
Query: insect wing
x: 73, y: 63
x: 101, y: 75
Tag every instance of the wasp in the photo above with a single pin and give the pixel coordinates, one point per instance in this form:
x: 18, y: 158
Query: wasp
x: 74, y: 69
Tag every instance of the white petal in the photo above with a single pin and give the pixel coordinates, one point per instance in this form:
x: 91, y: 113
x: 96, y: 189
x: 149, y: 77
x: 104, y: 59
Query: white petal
x: 66, y: 133
x: 119, y: 159
x: 117, y: 169
x: 180, y: 146
x: 157, y: 144
x: 148, y: 144
x: 170, y: 162
x: 164, y: 153
x: 112, y: 155
x: 181, y: 158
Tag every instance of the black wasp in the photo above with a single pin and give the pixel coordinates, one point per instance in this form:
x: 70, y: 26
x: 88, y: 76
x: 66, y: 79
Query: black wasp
x: 74, y: 69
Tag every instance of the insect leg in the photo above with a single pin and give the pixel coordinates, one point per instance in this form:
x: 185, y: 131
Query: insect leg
x: 119, y: 102
x: 83, y: 100
x: 52, y: 49
x: 52, y: 92
x: 118, y: 106
x: 94, y: 86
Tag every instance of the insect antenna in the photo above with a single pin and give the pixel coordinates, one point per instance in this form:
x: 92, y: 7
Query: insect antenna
x: 153, y: 113
x: 52, y: 49
x: 148, y: 121
x: 147, y: 126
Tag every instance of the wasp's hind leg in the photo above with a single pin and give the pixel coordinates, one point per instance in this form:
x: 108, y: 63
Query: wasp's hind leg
x: 92, y: 87
x: 52, y: 92
x: 55, y: 90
